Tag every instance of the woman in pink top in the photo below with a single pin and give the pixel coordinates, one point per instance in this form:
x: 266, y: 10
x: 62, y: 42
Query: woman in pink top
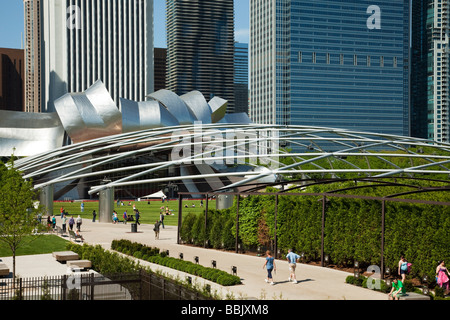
x: 442, y: 278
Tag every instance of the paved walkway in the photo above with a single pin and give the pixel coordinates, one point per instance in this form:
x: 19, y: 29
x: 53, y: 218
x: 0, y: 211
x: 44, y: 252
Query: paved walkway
x: 314, y: 283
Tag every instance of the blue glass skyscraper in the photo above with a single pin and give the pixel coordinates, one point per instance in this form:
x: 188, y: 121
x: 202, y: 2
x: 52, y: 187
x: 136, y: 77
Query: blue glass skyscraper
x: 241, y: 77
x: 331, y: 63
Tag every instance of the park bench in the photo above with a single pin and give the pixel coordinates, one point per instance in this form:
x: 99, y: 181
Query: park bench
x: 60, y: 231
x: 73, y: 235
x: 64, y: 256
x: 79, y: 264
x: 4, y: 270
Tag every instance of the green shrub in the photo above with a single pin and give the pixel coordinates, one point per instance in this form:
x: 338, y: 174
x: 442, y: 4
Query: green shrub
x: 439, y: 292
x: 186, y: 227
x: 409, y: 287
x: 177, y: 264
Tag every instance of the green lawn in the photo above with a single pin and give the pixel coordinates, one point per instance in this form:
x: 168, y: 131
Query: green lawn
x: 40, y: 245
x: 149, y: 211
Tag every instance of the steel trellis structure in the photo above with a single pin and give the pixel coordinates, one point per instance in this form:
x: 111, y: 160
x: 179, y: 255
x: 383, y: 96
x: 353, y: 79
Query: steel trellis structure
x: 234, y: 155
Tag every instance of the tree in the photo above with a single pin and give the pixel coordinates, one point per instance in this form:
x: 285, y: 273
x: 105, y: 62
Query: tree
x: 17, y: 212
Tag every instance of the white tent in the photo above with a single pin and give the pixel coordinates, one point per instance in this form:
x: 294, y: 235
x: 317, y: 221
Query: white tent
x: 158, y: 195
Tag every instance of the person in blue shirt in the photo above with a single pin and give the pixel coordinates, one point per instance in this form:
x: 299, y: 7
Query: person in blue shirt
x: 292, y: 260
x: 270, y: 266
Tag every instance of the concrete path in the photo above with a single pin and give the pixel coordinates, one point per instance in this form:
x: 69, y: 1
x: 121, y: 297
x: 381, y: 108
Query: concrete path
x: 314, y: 283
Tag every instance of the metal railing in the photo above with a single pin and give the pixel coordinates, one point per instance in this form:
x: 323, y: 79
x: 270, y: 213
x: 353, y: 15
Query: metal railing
x: 93, y: 286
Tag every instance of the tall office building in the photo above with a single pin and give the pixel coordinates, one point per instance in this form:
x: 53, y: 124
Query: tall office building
x: 430, y: 70
x: 200, y: 48
x: 90, y: 40
x: 160, y: 60
x: 241, y: 77
x: 12, y: 67
x: 342, y: 64
x: 33, y: 55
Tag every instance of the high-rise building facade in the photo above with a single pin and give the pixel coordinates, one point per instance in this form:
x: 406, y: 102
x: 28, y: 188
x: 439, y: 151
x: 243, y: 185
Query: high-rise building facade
x: 200, y: 48
x: 160, y: 59
x: 430, y: 70
x: 33, y: 55
x: 90, y: 40
x: 327, y: 63
x: 241, y: 77
x: 12, y: 74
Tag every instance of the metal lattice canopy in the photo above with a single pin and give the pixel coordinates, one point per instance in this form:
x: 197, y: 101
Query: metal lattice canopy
x: 224, y: 156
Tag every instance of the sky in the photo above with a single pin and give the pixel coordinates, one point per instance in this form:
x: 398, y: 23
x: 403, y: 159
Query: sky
x: 12, y: 24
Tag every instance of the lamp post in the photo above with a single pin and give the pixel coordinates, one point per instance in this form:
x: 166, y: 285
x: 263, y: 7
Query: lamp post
x: 425, y: 285
x: 388, y: 272
x: 356, y: 269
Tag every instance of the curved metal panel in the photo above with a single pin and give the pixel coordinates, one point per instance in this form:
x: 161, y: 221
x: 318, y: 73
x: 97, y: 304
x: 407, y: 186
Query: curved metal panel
x: 218, y: 108
x: 100, y: 98
x: 145, y: 115
x: 26, y: 134
x: 89, y: 115
x: 236, y: 118
x: 175, y: 105
x: 198, y: 105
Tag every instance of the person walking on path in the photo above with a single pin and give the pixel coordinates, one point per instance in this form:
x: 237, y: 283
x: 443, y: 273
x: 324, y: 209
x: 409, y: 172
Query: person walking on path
x: 403, y: 268
x: 64, y: 222
x: 442, y: 276
x: 94, y: 214
x: 161, y: 219
x: 125, y: 217
x: 156, y: 229
x: 71, y: 223
x: 137, y: 216
x: 79, y: 222
x: 292, y: 260
x: 270, y: 266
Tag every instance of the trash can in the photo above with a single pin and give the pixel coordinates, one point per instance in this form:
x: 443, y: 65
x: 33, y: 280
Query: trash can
x: 134, y: 227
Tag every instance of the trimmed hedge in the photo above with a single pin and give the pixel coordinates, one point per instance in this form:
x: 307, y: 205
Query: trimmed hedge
x: 103, y: 261
x: 153, y: 255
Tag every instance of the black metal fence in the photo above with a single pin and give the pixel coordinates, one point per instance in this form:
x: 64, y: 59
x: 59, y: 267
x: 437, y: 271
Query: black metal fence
x: 93, y: 286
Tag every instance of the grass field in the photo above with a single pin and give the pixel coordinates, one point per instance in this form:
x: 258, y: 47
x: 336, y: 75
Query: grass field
x: 40, y: 245
x: 149, y: 210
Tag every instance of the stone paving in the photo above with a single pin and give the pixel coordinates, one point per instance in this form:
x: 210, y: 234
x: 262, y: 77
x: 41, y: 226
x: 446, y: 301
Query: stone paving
x: 314, y: 283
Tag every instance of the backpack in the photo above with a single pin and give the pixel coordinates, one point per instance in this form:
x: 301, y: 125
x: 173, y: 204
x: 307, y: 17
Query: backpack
x: 409, y: 266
